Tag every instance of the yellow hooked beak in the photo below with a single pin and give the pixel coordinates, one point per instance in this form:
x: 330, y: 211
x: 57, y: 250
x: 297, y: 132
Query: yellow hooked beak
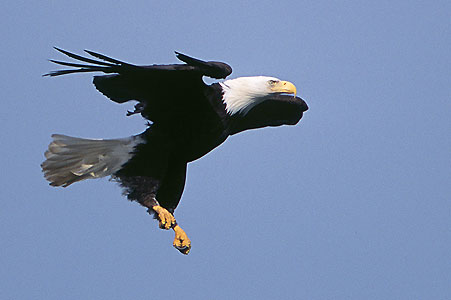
x: 285, y: 87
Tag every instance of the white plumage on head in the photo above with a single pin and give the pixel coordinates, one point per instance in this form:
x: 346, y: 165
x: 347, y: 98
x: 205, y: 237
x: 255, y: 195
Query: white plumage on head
x: 243, y: 93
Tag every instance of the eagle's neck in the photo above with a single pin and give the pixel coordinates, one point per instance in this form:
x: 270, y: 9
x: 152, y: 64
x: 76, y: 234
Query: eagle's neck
x: 240, y: 95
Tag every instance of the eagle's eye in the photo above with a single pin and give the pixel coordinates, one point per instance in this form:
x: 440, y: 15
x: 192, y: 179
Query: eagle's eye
x: 272, y: 82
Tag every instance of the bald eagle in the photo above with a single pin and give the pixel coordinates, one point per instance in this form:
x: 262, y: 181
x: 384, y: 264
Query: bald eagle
x: 187, y: 119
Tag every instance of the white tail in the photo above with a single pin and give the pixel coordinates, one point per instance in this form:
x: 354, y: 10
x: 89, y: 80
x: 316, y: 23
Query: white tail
x: 70, y: 159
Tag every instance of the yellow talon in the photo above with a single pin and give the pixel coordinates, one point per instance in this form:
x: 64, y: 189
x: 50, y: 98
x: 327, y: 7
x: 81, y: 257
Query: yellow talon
x: 166, y: 219
x: 181, y: 240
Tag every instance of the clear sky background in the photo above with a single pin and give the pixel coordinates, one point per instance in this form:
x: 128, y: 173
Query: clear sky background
x: 352, y: 203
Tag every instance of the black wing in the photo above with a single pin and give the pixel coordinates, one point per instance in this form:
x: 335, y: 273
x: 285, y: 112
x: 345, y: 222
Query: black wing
x: 165, y: 92
x: 276, y: 111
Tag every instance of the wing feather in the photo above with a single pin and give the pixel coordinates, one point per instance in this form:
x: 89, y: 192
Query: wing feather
x: 106, y: 58
x: 165, y: 92
x: 275, y: 111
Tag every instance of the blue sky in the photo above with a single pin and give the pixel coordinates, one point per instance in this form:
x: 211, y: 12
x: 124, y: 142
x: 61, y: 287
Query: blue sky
x: 352, y: 203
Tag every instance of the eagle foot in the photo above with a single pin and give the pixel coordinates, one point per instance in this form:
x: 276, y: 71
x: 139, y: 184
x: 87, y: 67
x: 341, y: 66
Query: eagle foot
x: 166, y: 219
x: 181, y: 240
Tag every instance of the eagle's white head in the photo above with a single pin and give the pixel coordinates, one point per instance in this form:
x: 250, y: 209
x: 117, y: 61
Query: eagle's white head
x: 243, y: 93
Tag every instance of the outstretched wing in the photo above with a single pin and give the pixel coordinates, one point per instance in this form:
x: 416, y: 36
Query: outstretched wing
x: 276, y: 111
x: 164, y: 92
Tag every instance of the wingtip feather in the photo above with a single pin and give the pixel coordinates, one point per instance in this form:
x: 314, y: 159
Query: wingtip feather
x: 107, y: 58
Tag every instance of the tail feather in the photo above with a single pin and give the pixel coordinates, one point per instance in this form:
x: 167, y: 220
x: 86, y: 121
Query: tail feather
x: 70, y: 159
